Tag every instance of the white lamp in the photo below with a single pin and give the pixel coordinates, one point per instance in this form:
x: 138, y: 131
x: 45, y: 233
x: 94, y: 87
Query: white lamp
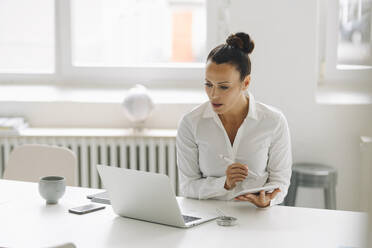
x: 138, y: 104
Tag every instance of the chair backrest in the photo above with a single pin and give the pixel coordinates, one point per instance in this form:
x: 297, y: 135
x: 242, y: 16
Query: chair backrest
x: 30, y: 162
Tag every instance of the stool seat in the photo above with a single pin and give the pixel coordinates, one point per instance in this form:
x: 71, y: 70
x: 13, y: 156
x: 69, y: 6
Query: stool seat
x: 313, y: 169
x: 313, y: 175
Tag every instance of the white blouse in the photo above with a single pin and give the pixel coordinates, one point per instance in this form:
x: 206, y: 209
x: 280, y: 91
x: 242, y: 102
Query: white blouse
x: 262, y: 143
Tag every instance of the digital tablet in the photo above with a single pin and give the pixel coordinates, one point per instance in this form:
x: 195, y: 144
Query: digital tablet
x: 267, y: 189
x: 102, y: 197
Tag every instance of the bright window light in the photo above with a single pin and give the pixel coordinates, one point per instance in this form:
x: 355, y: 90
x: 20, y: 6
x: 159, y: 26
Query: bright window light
x: 26, y: 36
x: 138, y: 32
x: 354, y: 41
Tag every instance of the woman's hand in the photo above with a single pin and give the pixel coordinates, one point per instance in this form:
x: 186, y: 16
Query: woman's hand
x: 235, y: 173
x: 262, y: 200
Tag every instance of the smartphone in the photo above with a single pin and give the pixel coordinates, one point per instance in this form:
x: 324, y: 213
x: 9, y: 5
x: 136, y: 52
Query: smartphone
x: 86, y: 209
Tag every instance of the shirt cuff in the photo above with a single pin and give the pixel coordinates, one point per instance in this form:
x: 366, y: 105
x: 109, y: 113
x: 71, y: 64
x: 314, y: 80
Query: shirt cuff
x: 272, y: 202
x: 222, y: 181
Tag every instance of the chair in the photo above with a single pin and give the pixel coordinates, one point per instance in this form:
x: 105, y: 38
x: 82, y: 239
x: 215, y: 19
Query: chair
x: 314, y: 176
x: 30, y: 162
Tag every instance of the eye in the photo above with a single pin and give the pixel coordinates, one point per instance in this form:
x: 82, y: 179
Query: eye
x: 224, y: 87
x: 209, y: 85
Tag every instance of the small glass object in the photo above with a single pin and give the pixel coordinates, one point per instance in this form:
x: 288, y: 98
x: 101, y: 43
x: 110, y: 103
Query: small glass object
x: 224, y: 220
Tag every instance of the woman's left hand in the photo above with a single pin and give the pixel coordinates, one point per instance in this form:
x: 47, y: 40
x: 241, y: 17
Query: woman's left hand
x: 262, y: 200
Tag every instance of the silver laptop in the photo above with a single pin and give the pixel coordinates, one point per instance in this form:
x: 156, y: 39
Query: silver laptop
x: 146, y: 196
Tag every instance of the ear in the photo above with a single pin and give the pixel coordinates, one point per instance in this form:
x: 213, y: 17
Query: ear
x: 246, y: 82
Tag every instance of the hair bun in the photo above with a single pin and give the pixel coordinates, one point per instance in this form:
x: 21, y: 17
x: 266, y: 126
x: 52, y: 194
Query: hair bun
x: 241, y: 41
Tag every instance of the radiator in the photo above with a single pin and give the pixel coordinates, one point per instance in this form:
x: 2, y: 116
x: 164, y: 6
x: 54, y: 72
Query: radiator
x: 146, y: 150
x: 366, y: 175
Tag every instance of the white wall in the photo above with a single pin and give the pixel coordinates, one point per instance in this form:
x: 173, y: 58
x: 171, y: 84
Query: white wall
x: 283, y: 75
x: 284, y: 69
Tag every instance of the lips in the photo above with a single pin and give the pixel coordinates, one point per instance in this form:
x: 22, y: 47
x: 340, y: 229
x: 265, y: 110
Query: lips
x: 216, y: 105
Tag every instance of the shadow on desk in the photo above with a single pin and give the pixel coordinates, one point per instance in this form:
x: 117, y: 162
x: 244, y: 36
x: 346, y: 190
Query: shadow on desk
x: 126, y: 231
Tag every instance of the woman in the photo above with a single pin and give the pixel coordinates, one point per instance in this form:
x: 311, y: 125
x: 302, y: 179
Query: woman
x: 233, y: 125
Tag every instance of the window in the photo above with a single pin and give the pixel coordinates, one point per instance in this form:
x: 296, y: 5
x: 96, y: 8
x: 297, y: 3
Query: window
x: 132, y: 32
x: 354, y: 42
x: 26, y: 36
x: 345, y: 55
x: 107, y: 41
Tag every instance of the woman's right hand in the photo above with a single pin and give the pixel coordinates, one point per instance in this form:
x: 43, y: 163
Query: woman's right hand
x: 235, y: 173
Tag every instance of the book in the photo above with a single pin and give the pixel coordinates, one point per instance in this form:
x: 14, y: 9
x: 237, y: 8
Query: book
x: 12, y: 125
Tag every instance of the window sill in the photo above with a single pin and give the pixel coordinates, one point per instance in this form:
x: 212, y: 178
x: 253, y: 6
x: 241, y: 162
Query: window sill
x: 343, y: 94
x: 60, y: 94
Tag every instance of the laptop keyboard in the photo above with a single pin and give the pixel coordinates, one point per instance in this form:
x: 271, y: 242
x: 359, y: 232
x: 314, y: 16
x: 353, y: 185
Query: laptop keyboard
x: 189, y: 218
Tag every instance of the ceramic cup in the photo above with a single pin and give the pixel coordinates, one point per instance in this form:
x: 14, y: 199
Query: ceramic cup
x: 52, y: 188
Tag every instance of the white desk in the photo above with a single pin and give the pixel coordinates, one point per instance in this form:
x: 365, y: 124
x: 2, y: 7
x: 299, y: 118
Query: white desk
x: 25, y: 221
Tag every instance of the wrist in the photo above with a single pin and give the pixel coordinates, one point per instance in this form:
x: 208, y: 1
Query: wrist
x: 226, y: 186
x: 267, y: 205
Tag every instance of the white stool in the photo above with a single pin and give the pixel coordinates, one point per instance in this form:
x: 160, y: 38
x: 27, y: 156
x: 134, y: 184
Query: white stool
x: 314, y: 176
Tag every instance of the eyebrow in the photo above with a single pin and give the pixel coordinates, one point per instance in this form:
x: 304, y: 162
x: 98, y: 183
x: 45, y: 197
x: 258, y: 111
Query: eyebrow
x: 224, y: 82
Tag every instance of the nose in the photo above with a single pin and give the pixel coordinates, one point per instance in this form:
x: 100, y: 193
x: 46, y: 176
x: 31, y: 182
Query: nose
x: 213, y: 93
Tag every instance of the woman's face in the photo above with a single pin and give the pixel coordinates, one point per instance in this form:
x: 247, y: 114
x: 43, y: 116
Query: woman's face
x: 223, y: 87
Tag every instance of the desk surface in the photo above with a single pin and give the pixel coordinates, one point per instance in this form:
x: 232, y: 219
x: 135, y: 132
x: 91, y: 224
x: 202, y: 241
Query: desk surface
x: 26, y: 221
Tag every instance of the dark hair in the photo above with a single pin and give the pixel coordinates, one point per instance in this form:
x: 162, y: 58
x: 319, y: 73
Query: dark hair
x: 236, y: 52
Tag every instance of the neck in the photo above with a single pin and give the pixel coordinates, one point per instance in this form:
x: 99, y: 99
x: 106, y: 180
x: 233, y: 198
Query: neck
x: 238, y: 113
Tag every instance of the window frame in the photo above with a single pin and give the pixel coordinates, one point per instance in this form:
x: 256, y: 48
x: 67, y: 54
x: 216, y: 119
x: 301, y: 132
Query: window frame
x: 328, y: 73
x: 168, y: 74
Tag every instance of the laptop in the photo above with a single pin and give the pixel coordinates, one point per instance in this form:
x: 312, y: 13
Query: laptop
x: 146, y: 196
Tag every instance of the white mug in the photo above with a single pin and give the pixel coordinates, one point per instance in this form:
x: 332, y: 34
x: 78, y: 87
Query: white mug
x: 52, y: 188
